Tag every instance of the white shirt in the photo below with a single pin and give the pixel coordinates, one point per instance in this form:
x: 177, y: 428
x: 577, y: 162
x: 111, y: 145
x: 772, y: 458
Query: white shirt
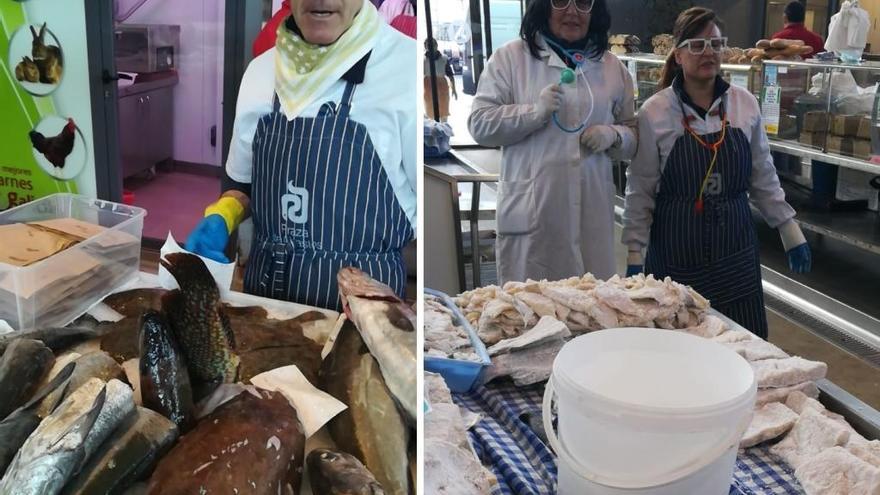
x: 660, y: 126
x: 385, y: 103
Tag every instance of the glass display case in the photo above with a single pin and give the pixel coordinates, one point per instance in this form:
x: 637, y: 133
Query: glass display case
x: 646, y: 70
x: 823, y: 111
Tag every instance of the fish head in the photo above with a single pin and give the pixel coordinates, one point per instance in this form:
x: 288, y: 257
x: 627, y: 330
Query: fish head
x: 355, y: 283
x: 340, y: 473
x: 190, y: 271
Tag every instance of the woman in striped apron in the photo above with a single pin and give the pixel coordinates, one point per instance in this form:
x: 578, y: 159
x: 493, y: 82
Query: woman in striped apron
x: 322, y: 156
x: 703, y: 155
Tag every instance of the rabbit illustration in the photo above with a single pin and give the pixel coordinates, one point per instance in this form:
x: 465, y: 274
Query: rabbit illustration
x: 27, y: 70
x: 47, y: 57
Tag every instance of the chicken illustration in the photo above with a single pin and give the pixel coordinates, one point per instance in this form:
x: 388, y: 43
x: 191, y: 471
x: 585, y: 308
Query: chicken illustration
x: 56, y: 148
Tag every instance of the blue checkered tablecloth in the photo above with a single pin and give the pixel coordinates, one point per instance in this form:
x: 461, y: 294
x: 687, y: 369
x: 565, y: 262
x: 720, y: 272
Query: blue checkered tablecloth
x: 505, y: 440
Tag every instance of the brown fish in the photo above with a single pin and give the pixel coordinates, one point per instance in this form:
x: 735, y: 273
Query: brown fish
x: 372, y: 428
x: 199, y: 324
x: 22, y: 368
x: 136, y: 302
x: 248, y: 445
x: 165, y: 386
x: 121, y: 339
x: 338, y: 473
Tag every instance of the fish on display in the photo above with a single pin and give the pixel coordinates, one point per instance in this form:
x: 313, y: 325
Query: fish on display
x: 248, y: 445
x: 130, y: 454
x: 387, y: 325
x: 136, y: 302
x: 164, y: 379
x: 373, y: 428
x: 122, y: 341
x: 338, y: 473
x: 97, y: 364
x: 22, y: 368
x: 56, y: 449
x: 199, y: 325
x: 16, y: 428
x: 264, y: 344
x: 57, y: 339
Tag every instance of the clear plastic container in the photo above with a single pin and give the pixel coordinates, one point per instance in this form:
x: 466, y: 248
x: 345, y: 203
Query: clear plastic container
x: 56, y: 290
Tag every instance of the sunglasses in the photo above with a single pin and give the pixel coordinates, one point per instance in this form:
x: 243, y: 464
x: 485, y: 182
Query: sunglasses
x: 582, y: 6
x: 697, y: 46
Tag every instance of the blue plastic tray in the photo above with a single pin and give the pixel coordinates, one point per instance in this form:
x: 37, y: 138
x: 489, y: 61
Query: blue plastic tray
x: 461, y: 376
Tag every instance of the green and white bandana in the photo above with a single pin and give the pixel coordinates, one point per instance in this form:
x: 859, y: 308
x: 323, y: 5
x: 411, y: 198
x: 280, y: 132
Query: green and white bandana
x: 303, y: 71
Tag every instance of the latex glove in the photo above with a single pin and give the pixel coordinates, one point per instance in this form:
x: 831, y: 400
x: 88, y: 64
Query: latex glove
x: 634, y: 270
x: 209, y: 238
x: 549, y: 101
x: 800, y: 259
x: 599, y: 138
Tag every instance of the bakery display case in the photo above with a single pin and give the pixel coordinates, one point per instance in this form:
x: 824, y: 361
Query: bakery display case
x: 823, y: 111
x: 646, y: 70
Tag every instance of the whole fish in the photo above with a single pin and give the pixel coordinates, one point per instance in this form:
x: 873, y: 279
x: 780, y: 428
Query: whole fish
x: 248, y: 445
x: 196, y: 316
x: 373, y: 428
x: 165, y: 386
x: 97, y: 364
x: 387, y: 326
x: 57, y: 339
x: 128, y: 455
x: 16, y: 428
x: 55, y: 450
x: 22, y: 368
x: 338, y: 473
x: 136, y: 302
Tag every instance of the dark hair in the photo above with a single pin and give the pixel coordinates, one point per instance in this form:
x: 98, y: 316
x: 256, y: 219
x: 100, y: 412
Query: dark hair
x: 689, y: 24
x: 537, y: 19
x: 795, y: 12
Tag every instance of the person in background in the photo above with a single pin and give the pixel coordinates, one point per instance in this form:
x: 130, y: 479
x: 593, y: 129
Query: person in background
x: 445, y: 80
x: 266, y: 38
x: 794, y: 28
x: 555, y: 213
x: 703, y: 155
x: 322, y: 155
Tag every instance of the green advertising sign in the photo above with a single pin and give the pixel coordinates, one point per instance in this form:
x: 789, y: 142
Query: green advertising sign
x: 45, y: 129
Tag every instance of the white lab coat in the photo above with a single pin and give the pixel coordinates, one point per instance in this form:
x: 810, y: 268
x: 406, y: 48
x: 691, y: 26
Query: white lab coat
x: 660, y: 126
x: 555, y: 212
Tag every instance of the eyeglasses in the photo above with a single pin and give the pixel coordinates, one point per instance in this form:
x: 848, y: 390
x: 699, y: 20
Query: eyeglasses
x: 697, y: 46
x: 583, y: 6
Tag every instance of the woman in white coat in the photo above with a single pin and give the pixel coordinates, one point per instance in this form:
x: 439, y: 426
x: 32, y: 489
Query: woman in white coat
x: 555, y: 213
x: 702, y: 156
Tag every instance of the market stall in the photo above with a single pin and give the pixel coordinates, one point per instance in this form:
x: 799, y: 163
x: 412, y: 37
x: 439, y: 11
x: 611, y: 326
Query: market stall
x: 174, y: 384
x: 525, y: 325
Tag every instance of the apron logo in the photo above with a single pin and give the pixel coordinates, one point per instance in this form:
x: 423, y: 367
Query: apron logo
x: 713, y: 185
x: 294, y: 204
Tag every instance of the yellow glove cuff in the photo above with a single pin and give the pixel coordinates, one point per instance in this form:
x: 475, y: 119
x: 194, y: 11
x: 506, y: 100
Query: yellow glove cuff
x: 230, y: 209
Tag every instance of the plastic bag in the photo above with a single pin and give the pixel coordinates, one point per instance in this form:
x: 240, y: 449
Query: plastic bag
x: 842, y: 83
x: 848, y: 31
x: 437, y: 136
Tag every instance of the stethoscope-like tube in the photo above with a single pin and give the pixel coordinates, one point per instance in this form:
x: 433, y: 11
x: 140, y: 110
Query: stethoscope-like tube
x: 577, y: 58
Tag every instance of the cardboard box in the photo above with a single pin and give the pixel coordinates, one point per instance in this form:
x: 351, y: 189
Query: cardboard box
x: 815, y: 122
x: 864, y: 131
x: 859, y: 148
x: 815, y: 139
x: 845, y: 125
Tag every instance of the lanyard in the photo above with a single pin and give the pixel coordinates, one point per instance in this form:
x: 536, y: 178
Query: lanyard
x: 713, y: 147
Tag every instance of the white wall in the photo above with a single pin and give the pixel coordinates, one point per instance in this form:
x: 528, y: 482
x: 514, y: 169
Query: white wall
x: 198, y: 95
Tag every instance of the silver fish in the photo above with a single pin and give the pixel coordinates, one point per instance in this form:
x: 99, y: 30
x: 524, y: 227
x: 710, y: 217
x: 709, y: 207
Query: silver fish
x: 54, y: 451
x: 387, y: 326
x: 18, y: 426
x: 65, y: 440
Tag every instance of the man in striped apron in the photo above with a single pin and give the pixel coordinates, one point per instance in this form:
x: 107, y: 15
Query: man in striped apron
x: 322, y: 156
x: 703, y: 155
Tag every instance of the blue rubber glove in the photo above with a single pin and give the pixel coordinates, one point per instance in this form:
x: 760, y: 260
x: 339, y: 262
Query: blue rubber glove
x: 634, y: 270
x: 209, y: 238
x: 800, y: 259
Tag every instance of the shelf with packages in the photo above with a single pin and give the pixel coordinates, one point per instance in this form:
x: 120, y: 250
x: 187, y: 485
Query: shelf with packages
x: 646, y: 69
x: 825, y: 112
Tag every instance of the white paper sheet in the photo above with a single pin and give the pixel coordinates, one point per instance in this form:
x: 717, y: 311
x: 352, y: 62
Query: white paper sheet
x: 222, y: 272
x: 313, y: 407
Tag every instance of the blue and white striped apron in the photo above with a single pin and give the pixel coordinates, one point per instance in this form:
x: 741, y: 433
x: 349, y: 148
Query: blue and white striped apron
x: 715, y: 252
x: 321, y: 201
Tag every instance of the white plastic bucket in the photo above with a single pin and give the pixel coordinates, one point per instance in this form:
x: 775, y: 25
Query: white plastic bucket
x: 646, y: 411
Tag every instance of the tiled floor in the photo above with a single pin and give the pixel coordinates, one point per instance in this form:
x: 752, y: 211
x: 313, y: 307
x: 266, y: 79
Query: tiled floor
x: 174, y: 201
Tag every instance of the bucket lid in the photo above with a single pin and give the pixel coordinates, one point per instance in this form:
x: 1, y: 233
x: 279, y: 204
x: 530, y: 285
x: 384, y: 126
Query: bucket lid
x: 650, y: 374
